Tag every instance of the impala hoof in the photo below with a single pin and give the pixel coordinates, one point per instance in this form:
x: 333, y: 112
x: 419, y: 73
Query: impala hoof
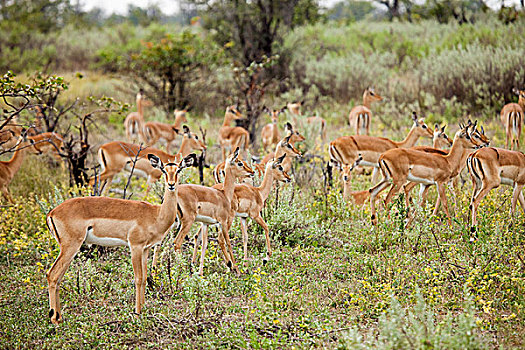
x: 55, y: 317
x: 229, y: 264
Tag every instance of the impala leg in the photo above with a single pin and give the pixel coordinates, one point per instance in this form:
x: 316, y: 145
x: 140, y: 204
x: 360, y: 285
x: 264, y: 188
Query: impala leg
x: 258, y: 219
x: 144, y: 275
x: 407, y: 189
x: 7, y: 195
x: 228, y: 248
x: 204, y: 229
x: 375, y: 174
x: 515, y: 195
x: 197, y: 240
x: 423, y: 194
x: 522, y: 201
x: 54, y: 277
x: 442, y: 199
x: 374, y: 191
x: 485, y: 189
x: 244, y: 231
x: 136, y: 260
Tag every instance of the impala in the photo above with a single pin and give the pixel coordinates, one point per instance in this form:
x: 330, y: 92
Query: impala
x: 285, y: 146
x: 401, y: 165
x: 8, y: 169
x: 512, y: 118
x: 210, y: 206
x: 156, y: 131
x: 113, y: 222
x: 10, y: 133
x: 47, y: 142
x: 218, y: 172
x: 249, y: 201
x: 345, y: 149
x: 231, y: 137
x: 270, y: 132
x: 295, y: 111
x: 114, y: 156
x: 490, y: 167
x: 134, y: 122
x: 360, y: 116
x: 357, y: 197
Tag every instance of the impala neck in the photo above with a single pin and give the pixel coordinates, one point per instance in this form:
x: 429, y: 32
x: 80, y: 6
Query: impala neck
x: 266, y: 185
x: 410, y: 140
x: 168, y: 210
x: 140, y: 107
x: 178, y: 121
x: 15, y: 162
x: 228, y: 117
x: 229, y: 181
x: 185, y: 147
x: 521, y: 102
x: 346, y: 190
x: 366, y: 100
x: 457, y: 156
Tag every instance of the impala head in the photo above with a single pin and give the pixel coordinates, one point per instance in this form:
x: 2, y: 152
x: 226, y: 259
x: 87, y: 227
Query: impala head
x: 420, y: 127
x: 180, y: 115
x: 240, y: 168
x: 295, y: 107
x: 519, y: 93
x: 440, y: 138
x: 279, y: 173
x: 274, y: 114
x: 171, y: 170
x: 371, y: 95
x: 233, y: 112
x: 288, y: 148
x: 346, y: 173
x: 479, y: 137
x: 295, y: 135
x: 192, y: 139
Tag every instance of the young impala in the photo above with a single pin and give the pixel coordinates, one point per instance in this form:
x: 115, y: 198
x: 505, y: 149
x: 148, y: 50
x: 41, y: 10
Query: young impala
x: 8, y: 169
x: 210, y: 206
x: 134, y: 122
x: 231, y: 137
x: 512, y: 116
x: 156, y: 131
x: 490, y: 167
x: 115, y: 156
x: 360, y: 116
x: 270, y: 132
x: 400, y: 165
x: 113, y: 222
x: 345, y: 149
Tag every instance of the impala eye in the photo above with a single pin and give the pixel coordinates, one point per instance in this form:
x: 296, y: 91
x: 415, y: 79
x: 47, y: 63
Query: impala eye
x: 239, y: 164
x: 424, y: 126
x: 281, y: 168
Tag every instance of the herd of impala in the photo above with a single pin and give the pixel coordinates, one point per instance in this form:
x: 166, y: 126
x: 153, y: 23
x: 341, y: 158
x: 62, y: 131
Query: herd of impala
x: 141, y: 226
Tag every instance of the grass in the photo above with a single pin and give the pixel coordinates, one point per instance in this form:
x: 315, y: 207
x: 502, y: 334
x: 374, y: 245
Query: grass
x: 333, y: 281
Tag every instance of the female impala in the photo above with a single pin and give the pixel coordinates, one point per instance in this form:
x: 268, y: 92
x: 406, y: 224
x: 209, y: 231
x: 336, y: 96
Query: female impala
x: 512, y: 116
x: 8, y: 169
x: 210, y: 206
x: 345, y: 149
x: 249, y: 201
x: 360, y: 116
x: 400, y: 165
x: 295, y: 111
x: 270, y: 132
x: 114, y: 156
x: 134, y: 122
x: 113, y: 222
x: 156, y: 131
x: 231, y: 137
x: 284, y: 147
x: 490, y: 167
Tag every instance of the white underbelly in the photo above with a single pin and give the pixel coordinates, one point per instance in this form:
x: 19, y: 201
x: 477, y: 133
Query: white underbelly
x: 365, y: 163
x: 507, y: 181
x: 206, y: 219
x: 136, y: 171
x: 104, y: 241
x: 420, y: 179
x: 241, y: 215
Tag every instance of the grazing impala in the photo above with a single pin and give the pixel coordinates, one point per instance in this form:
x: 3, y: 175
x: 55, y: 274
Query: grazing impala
x: 210, y: 206
x: 114, y: 156
x: 345, y: 149
x: 8, y: 169
x: 134, y: 122
x: 270, y: 132
x: 360, y: 116
x: 113, y: 222
x: 249, y: 201
x: 156, y: 131
x: 400, y: 165
x: 490, y: 167
x: 231, y: 137
x: 512, y: 118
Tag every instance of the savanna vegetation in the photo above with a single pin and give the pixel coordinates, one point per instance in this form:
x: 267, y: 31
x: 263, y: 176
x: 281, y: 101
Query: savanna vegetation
x: 334, y: 280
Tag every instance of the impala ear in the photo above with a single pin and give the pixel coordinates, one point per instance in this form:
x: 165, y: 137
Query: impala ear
x: 482, y: 130
x: 288, y: 126
x: 265, y: 109
x: 357, y: 161
x: 188, y: 161
x: 186, y: 130
x: 155, y: 161
x: 287, y: 138
x: 414, y: 117
x: 436, y: 127
x: 443, y: 128
x: 515, y: 91
x: 236, y: 153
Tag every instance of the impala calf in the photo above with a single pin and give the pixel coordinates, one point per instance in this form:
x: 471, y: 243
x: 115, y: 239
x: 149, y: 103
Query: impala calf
x: 113, y: 222
x: 490, y: 167
x: 512, y: 119
x: 156, y: 131
x: 8, y: 169
x: 360, y: 116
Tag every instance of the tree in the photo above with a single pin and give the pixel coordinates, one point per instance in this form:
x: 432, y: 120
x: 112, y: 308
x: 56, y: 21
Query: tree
x: 164, y: 68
